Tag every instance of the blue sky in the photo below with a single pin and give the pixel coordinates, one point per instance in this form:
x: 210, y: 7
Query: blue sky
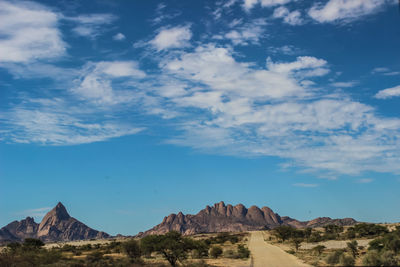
x: 127, y: 111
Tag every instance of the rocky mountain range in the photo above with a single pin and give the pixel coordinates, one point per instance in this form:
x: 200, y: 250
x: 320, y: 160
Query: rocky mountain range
x: 228, y: 218
x: 57, y: 225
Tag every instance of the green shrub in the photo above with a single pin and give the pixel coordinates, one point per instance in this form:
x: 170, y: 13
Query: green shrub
x: 319, y: 249
x: 388, y: 258
x: 243, y: 252
x: 372, y: 258
x: 230, y: 254
x: 353, y: 248
x: 334, y: 257
x: 132, y: 249
x: 215, y: 251
x: 346, y: 260
x: 94, y: 257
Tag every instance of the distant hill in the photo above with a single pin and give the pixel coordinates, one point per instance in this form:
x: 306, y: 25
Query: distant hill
x: 57, y: 225
x: 228, y: 218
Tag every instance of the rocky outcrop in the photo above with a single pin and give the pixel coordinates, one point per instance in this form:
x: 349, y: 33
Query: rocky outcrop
x: 228, y: 218
x: 57, y: 225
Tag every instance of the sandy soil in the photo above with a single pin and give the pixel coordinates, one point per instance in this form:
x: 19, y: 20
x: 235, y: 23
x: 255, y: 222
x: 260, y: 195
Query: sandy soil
x: 264, y: 254
x: 78, y: 243
x: 335, y: 244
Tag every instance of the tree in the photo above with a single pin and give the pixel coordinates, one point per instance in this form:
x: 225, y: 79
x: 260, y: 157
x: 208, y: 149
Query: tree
x: 33, y: 243
x: 319, y: 249
x: 215, y: 251
x: 297, y: 242
x: 132, y: 249
x: 353, y: 248
x: 283, y: 232
x: 307, y: 233
x: 173, y: 246
x: 333, y: 229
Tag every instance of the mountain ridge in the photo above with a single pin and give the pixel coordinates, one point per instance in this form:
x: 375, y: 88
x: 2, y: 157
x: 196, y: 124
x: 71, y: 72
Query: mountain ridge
x: 229, y: 218
x: 56, y: 225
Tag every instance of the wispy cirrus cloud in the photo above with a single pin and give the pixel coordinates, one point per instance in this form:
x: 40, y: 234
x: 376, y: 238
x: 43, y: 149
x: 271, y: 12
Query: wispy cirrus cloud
x: 38, y: 213
x: 55, y: 122
x: 91, y: 25
x: 388, y: 93
x: 247, y: 33
x: 249, y: 4
x: 305, y: 185
x: 365, y: 181
x: 345, y: 10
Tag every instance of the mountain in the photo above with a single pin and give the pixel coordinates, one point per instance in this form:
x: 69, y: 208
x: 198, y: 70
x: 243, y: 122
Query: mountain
x: 57, y: 225
x: 228, y: 218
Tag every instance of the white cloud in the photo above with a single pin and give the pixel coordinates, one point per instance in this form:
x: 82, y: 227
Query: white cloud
x: 216, y: 68
x: 245, y: 110
x: 385, y: 71
x: 249, y: 33
x: 305, y: 65
x: 96, y: 80
x: 249, y: 4
x: 345, y: 10
x: 39, y: 212
x: 344, y: 84
x: 305, y: 185
x: 91, y: 25
x: 119, y: 37
x: 380, y: 69
x: 56, y: 122
x: 120, y: 68
x: 286, y: 50
x: 29, y: 33
x: 388, y: 93
x: 292, y: 18
x: 365, y: 180
x: 175, y: 37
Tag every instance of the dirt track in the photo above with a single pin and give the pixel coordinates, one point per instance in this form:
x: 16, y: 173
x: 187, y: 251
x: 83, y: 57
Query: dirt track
x: 266, y: 255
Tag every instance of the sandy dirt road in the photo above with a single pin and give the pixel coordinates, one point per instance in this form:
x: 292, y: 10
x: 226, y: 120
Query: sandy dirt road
x: 267, y: 255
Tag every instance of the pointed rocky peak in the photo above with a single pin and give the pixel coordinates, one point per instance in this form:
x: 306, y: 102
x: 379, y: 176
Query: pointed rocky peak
x: 59, y: 212
x: 29, y: 220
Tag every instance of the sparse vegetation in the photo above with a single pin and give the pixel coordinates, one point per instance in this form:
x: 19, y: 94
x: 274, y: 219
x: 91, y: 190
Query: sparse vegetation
x: 216, y: 251
x: 333, y: 246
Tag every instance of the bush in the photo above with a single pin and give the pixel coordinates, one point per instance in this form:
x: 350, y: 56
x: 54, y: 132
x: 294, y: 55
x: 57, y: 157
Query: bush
x: 369, y: 229
x: 346, y: 260
x: 215, y: 251
x: 230, y: 254
x: 243, y: 252
x: 372, y: 258
x: 388, y: 258
x: 33, y: 243
x: 201, y: 250
x: 353, y: 248
x: 132, y: 249
x: 315, y: 237
x: 319, y: 249
x: 94, y: 257
x: 334, y: 257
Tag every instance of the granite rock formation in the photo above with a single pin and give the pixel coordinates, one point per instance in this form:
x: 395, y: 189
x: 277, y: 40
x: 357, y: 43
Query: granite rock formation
x: 228, y: 218
x: 57, y: 225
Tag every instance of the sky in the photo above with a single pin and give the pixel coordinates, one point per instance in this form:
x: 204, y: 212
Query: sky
x: 127, y: 111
